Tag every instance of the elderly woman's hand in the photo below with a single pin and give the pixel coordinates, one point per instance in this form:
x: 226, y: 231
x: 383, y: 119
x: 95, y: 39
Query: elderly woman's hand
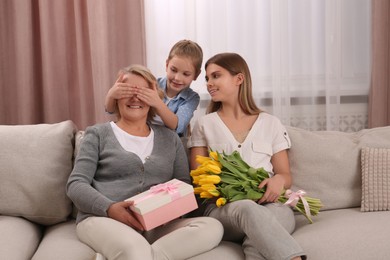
x: 120, y: 211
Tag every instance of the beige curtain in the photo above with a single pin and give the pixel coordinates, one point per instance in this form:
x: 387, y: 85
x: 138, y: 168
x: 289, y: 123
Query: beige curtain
x: 59, y: 58
x: 379, y: 107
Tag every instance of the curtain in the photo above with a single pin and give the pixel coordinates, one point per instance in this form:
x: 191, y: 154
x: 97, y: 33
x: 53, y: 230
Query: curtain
x: 379, y: 107
x: 309, y: 60
x: 59, y: 58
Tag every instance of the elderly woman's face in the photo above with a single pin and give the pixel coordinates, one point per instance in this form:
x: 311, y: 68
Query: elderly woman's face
x: 133, y: 108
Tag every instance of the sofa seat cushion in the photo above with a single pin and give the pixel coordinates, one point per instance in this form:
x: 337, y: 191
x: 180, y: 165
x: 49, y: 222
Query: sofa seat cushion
x: 347, y: 234
x: 35, y: 163
x: 60, y: 242
x: 19, y: 238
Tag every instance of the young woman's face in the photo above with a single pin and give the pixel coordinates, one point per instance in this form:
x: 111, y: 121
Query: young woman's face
x: 180, y: 74
x: 221, y: 85
x: 133, y: 108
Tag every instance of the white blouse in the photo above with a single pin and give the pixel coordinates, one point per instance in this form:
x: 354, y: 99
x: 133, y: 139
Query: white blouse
x: 266, y: 137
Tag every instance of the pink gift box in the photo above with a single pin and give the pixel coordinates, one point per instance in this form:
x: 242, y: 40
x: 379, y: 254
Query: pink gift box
x: 163, y: 203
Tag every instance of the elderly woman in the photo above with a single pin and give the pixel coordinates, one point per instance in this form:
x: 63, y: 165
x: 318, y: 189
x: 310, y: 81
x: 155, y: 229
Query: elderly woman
x: 118, y: 160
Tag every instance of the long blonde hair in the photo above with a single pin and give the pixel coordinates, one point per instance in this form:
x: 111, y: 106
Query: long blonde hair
x: 235, y: 64
x: 145, y: 73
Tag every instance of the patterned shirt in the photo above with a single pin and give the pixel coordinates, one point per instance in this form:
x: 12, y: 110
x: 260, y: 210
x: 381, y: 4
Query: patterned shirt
x: 183, y: 105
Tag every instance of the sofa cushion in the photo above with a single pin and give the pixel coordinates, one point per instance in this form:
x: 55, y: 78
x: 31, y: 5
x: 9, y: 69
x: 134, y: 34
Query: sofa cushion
x: 19, y: 238
x: 60, y: 242
x: 35, y: 163
x: 346, y: 234
x: 326, y: 164
x: 375, y: 179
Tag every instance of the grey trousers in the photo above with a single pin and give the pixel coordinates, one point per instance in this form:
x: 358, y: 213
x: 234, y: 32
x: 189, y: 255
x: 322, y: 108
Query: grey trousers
x: 263, y: 230
x: 179, y: 239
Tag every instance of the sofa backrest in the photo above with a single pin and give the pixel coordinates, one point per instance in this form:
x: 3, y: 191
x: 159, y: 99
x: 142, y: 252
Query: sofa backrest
x: 35, y: 163
x: 327, y: 164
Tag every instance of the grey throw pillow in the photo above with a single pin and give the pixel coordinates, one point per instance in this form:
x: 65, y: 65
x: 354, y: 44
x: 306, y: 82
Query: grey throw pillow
x: 35, y: 163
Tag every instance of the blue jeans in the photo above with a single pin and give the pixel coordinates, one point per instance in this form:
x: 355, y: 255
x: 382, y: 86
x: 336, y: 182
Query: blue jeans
x: 263, y: 230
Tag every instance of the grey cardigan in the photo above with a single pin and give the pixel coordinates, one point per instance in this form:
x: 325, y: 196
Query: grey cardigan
x: 105, y: 173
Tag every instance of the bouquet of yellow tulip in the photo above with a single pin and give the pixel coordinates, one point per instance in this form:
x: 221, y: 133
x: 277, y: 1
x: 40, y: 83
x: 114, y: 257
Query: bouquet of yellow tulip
x: 229, y: 178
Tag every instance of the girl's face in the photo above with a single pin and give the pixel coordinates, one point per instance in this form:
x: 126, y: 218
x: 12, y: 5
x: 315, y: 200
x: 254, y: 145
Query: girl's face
x: 133, y: 108
x: 221, y: 85
x: 180, y: 74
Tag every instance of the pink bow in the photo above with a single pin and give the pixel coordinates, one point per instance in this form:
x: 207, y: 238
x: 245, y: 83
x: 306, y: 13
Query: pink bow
x: 166, y: 187
x: 294, y: 197
x: 170, y: 188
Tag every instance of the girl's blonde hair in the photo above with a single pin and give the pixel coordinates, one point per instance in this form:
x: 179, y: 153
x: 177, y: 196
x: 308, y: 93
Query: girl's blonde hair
x: 188, y: 49
x: 145, y: 73
x: 235, y: 64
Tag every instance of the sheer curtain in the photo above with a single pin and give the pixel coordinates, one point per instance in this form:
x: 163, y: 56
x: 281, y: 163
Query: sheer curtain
x: 309, y: 60
x: 59, y: 58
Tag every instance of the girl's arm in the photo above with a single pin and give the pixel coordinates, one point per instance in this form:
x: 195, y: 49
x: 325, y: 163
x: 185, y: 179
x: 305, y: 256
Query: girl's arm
x: 152, y: 98
x: 169, y: 118
x: 185, y: 113
x: 281, y: 179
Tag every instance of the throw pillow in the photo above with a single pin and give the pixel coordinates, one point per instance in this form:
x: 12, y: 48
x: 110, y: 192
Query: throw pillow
x: 375, y: 164
x: 326, y: 164
x: 35, y: 163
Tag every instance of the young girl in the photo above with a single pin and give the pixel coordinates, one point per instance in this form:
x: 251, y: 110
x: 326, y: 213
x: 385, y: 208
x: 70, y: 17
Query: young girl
x: 234, y: 122
x: 118, y: 160
x: 175, y: 111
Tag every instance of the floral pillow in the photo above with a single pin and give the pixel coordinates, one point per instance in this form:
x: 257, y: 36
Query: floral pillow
x: 375, y: 164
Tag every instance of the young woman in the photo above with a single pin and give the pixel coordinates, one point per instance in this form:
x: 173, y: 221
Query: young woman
x: 234, y: 122
x: 118, y: 160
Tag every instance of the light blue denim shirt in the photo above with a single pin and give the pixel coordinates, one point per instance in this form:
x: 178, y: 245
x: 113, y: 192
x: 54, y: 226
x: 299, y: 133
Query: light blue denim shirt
x: 183, y: 105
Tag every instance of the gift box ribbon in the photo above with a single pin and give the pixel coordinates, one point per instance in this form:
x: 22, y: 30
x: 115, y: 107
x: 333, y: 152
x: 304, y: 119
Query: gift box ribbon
x: 170, y: 188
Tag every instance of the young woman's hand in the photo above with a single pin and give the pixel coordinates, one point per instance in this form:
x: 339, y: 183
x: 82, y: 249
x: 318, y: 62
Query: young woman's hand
x: 274, y: 187
x: 120, y: 211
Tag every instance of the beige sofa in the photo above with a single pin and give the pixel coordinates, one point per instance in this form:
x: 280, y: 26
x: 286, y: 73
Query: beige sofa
x: 36, y: 220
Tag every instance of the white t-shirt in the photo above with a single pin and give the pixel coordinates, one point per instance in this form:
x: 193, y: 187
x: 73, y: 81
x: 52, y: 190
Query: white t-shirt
x: 141, y: 146
x: 266, y: 137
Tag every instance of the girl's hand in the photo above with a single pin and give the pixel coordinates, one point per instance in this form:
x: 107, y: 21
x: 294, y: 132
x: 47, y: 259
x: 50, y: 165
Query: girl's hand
x: 149, y: 96
x: 120, y: 89
x: 120, y: 211
x: 275, y: 186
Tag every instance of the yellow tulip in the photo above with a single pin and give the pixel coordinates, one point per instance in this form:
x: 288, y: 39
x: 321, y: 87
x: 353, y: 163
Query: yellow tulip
x: 214, y: 155
x: 215, y: 193
x: 196, y: 179
x: 220, y: 202
x: 201, y: 159
x: 211, y: 179
x: 208, y: 186
x: 216, y: 163
x: 213, y: 168
x: 198, y: 171
x: 198, y: 190
x: 205, y: 195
